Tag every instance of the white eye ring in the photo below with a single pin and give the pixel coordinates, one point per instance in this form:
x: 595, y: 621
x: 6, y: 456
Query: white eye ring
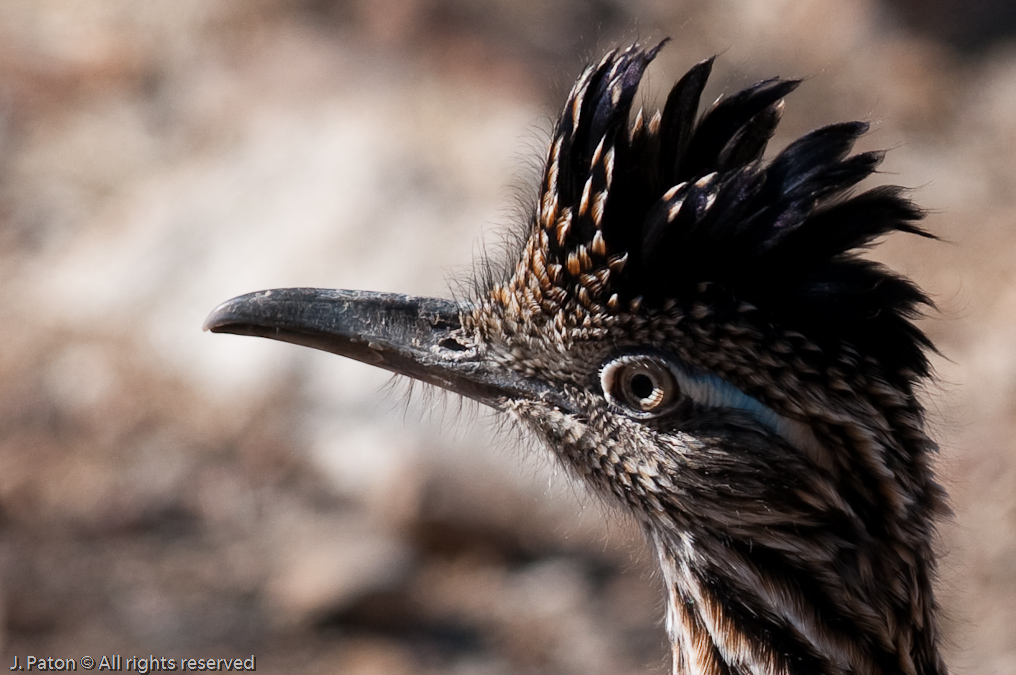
x: 640, y: 384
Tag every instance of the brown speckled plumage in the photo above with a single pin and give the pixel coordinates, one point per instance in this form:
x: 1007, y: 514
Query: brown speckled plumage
x: 690, y: 330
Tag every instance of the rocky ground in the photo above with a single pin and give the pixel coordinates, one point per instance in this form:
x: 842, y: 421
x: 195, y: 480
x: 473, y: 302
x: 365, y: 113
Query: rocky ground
x: 168, y: 492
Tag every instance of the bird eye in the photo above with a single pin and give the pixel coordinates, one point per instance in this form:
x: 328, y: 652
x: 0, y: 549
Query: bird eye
x: 643, y: 385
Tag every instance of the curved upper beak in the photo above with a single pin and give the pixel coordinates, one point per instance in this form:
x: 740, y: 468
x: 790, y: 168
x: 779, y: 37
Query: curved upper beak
x: 419, y: 337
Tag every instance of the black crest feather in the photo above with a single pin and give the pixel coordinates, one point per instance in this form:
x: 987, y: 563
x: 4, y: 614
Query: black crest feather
x: 689, y: 200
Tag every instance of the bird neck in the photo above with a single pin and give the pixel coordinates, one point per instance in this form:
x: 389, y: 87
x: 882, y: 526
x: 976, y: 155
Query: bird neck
x: 738, y: 609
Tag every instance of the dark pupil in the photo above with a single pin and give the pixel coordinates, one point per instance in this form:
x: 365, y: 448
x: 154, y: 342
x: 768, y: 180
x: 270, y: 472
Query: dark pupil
x: 641, y: 385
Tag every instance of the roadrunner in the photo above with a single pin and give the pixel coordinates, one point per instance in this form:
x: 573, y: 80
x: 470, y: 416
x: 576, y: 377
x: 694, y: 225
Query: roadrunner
x: 691, y: 331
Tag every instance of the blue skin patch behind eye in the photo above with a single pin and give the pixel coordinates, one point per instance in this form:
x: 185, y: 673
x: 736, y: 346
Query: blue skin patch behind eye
x: 709, y: 390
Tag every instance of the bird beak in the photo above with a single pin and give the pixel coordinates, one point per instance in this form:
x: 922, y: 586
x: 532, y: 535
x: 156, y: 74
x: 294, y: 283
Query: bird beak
x: 418, y: 337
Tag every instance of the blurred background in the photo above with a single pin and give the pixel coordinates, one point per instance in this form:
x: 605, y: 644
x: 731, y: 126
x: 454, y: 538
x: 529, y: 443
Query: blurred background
x: 168, y: 492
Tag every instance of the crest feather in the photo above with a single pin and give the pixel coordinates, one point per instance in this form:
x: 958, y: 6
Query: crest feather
x: 690, y: 202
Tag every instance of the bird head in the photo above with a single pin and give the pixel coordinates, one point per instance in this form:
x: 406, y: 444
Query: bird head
x: 691, y: 330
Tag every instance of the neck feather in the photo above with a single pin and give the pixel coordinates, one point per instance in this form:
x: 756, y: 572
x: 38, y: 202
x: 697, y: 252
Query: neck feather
x: 736, y: 608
